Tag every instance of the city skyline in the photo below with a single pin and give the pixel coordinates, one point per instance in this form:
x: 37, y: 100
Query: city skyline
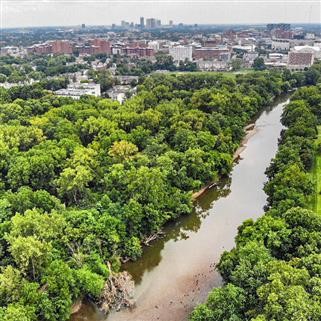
x: 32, y: 13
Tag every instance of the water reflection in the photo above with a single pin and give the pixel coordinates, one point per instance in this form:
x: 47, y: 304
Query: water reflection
x: 88, y: 312
x: 177, y: 231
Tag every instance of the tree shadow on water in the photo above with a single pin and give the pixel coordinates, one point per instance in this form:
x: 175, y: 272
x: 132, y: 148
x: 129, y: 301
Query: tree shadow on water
x: 177, y: 231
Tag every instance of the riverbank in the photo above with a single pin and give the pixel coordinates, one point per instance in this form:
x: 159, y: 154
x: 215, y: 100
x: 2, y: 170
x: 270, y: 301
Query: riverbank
x: 76, y: 306
x: 177, y: 271
x: 284, y: 242
x: 250, y: 130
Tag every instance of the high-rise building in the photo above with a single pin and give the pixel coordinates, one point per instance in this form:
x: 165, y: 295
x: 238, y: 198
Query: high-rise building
x: 181, y: 53
x: 282, y: 26
x: 83, y: 26
x: 142, y: 22
x: 125, y: 24
x: 152, y: 23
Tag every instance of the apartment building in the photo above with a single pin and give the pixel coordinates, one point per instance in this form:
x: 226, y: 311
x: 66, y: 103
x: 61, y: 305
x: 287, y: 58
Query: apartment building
x: 181, y: 53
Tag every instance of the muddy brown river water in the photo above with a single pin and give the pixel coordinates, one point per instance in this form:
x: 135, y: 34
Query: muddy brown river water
x: 177, y: 271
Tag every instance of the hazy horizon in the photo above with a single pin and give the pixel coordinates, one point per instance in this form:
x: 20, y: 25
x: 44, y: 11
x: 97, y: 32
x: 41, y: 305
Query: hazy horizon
x: 51, y: 13
x: 187, y: 24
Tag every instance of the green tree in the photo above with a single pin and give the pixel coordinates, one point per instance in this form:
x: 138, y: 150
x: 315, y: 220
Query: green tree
x: 259, y: 64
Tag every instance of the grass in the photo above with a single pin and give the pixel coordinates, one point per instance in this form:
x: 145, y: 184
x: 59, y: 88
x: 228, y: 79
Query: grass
x: 316, y: 175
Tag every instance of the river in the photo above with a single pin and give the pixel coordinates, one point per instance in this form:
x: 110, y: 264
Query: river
x: 177, y: 271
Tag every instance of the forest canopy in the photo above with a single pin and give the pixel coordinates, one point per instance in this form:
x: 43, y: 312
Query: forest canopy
x: 273, y: 273
x: 82, y: 183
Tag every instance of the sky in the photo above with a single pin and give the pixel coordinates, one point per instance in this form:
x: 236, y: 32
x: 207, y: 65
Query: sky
x: 26, y: 13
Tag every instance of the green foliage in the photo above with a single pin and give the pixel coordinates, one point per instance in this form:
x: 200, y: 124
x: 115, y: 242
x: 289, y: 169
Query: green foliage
x: 258, y: 64
x: 236, y: 64
x: 83, y: 182
x: 90, y: 283
x: 276, y: 261
x: 223, y: 304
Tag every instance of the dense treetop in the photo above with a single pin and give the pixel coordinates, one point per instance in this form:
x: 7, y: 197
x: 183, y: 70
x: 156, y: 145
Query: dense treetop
x: 83, y: 182
x: 273, y: 273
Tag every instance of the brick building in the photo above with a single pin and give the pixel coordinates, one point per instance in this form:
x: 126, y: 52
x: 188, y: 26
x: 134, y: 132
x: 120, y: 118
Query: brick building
x: 51, y: 47
x: 87, y: 49
x: 60, y: 47
x: 212, y: 53
x: 138, y: 52
x: 300, y: 60
x: 282, y: 34
x: 101, y: 45
x: 39, y: 49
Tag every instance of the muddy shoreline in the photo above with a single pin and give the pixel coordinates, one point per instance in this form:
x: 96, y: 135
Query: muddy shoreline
x: 250, y: 130
x: 177, y: 271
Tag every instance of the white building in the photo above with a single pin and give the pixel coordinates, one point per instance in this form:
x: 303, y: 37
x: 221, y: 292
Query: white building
x: 10, y: 51
x: 153, y: 45
x: 212, y: 65
x: 274, y: 56
x: 276, y: 60
x: 246, y: 48
x: 76, y: 90
x: 181, y: 53
x: 8, y: 85
x: 116, y: 49
x: 317, y: 43
x: 316, y: 51
x: 281, y: 44
x: 310, y: 36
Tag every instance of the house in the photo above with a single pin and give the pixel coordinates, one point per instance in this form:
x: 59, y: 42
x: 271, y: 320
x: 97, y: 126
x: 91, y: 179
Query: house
x: 300, y: 60
x: 127, y: 80
x: 120, y: 93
